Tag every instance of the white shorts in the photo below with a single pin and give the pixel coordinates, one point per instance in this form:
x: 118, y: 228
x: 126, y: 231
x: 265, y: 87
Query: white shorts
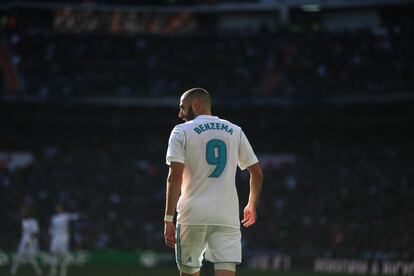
x: 59, y: 245
x: 220, y: 244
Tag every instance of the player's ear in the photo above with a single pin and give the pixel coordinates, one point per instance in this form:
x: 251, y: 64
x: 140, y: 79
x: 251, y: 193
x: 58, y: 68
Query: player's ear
x: 196, y: 106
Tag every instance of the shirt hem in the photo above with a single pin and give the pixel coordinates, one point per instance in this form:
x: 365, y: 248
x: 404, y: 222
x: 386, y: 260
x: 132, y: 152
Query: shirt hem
x: 248, y: 164
x: 174, y: 160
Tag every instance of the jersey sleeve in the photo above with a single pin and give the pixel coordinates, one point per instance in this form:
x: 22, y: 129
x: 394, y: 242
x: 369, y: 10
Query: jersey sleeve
x: 176, y: 144
x: 246, y: 153
x: 35, y: 227
x: 73, y: 216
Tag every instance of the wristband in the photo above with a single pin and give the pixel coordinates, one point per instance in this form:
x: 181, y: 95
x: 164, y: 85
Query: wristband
x: 168, y: 218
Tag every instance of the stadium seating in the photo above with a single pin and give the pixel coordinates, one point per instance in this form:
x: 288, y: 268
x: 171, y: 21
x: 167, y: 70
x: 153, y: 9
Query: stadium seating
x: 57, y: 65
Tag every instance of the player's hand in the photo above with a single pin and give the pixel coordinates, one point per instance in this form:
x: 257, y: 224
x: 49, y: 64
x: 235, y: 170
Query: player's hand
x: 249, y: 216
x: 169, y: 234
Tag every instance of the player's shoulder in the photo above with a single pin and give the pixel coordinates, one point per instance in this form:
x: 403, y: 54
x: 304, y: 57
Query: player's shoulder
x: 227, y: 122
x: 65, y: 215
x: 183, y: 126
x: 231, y: 124
x: 59, y: 216
x: 30, y: 220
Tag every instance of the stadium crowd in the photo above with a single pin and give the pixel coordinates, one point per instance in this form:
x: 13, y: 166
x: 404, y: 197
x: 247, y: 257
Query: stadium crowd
x: 265, y: 63
x: 334, y: 190
x: 344, y: 193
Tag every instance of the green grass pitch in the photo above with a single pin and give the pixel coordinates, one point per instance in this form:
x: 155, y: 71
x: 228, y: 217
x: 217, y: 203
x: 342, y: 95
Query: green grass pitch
x: 128, y: 270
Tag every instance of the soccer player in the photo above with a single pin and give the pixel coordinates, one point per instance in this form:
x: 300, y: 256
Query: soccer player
x: 29, y: 244
x: 203, y: 154
x: 60, y: 239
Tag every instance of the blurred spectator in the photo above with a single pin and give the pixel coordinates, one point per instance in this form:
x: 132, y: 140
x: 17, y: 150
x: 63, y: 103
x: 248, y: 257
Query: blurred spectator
x: 55, y: 64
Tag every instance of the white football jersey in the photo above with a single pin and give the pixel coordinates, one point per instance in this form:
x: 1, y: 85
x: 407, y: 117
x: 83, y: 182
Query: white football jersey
x: 60, y: 224
x: 30, y: 228
x: 210, y: 148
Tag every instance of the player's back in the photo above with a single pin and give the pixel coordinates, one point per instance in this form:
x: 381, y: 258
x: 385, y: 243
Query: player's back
x: 208, y: 194
x: 30, y: 227
x: 60, y: 225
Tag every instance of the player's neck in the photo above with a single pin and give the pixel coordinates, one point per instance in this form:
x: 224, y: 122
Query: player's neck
x: 207, y: 112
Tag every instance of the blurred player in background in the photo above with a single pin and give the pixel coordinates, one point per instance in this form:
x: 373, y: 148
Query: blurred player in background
x: 29, y: 244
x: 60, y: 240
x: 203, y: 154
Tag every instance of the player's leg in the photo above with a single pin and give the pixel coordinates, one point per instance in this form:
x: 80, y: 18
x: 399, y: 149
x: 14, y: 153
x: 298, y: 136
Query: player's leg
x: 54, y: 256
x: 64, y: 264
x: 190, y: 248
x: 225, y: 271
x: 18, y: 258
x: 186, y: 274
x: 65, y: 257
x: 31, y: 256
x: 33, y: 262
x: 54, y: 259
x: 224, y: 249
x: 15, y: 264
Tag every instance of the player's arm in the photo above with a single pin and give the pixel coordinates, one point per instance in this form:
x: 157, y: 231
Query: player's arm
x: 256, y: 181
x: 174, y: 179
x: 51, y: 229
x: 74, y: 216
x: 35, y: 230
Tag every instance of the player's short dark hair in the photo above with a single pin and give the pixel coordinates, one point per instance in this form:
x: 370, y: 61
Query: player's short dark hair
x: 198, y: 93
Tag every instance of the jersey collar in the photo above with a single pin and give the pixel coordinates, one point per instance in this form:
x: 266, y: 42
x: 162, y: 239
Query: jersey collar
x: 200, y: 117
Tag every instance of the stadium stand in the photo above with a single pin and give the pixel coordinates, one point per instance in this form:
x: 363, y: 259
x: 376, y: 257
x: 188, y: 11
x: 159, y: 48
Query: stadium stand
x: 282, y: 63
x: 338, y: 177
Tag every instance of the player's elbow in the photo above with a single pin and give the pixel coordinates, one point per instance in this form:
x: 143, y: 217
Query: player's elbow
x: 174, y: 179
